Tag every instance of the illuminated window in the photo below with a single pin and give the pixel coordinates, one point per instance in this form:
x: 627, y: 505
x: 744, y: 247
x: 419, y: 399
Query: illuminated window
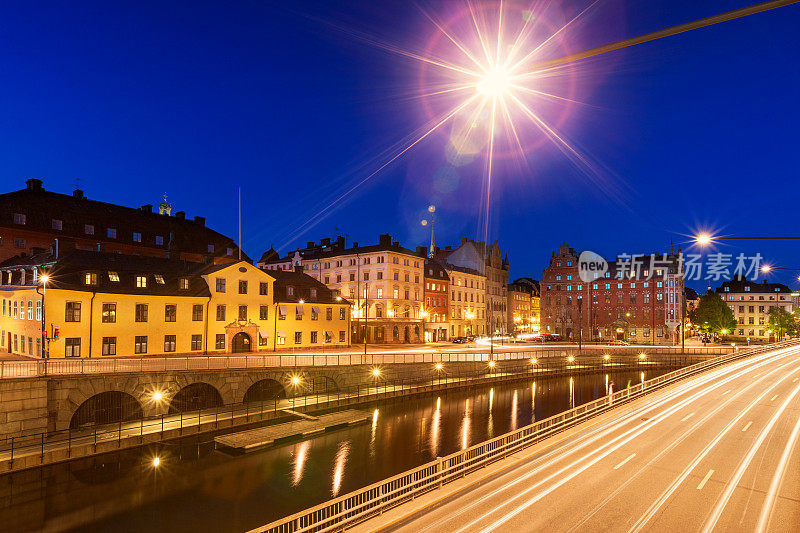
x: 113, y: 276
x: 90, y: 278
x: 141, y: 282
x: 159, y: 279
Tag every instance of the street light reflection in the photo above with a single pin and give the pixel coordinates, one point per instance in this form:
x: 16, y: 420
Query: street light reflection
x: 465, y: 424
x: 338, y: 469
x: 514, y: 411
x: 301, y: 453
x: 436, y: 423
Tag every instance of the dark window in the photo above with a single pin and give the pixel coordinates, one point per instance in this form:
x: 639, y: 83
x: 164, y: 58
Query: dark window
x: 298, y: 337
x: 169, y: 343
x: 221, y: 314
x: 197, y: 342
x: 109, y: 346
x: 242, y: 286
x: 242, y: 312
x: 140, y: 344
x: 263, y: 313
x: 329, y: 313
x: 72, y: 347
x: 220, y: 341
x: 220, y: 285
x: 341, y: 313
x: 341, y: 336
x: 109, y: 313
x: 197, y: 312
x: 73, y: 312
x: 263, y: 288
x: 170, y: 313
x: 141, y: 313
x: 313, y: 337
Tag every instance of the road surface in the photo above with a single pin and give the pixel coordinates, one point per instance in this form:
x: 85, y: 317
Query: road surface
x: 715, y: 452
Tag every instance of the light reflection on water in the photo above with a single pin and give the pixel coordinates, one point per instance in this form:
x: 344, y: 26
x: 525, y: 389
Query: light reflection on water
x: 338, y: 467
x: 466, y: 422
x: 211, y: 491
x: 301, y: 453
x: 435, y: 428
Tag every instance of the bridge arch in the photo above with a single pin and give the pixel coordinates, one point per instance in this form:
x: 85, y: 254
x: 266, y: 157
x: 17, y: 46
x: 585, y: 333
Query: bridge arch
x: 199, y: 395
x: 106, y: 407
x: 263, y: 390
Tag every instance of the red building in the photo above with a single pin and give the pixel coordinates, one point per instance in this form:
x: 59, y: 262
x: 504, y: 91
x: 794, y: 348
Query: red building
x: 436, y: 307
x: 637, y: 299
x: 33, y: 218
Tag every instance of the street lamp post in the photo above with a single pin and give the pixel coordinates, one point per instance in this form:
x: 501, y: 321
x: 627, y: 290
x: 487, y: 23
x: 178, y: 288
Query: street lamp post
x: 44, y: 278
x: 580, y: 323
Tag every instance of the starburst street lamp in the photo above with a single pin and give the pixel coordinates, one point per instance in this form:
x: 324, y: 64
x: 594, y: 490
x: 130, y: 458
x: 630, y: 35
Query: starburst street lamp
x: 705, y: 239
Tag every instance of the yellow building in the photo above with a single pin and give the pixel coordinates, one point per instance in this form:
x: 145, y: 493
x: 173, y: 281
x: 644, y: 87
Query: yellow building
x: 524, y: 306
x: 384, y: 281
x: 467, y: 301
x: 102, y: 305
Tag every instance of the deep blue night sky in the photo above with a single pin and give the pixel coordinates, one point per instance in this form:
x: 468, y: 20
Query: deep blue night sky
x: 195, y: 98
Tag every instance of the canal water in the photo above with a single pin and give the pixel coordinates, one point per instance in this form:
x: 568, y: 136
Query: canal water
x: 196, y: 488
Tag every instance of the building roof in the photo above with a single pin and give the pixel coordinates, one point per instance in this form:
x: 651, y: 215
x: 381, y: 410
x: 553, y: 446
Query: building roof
x: 690, y: 294
x: 463, y: 270
x: 335, y: 248
x: 520, y: 287
x: 531, y: 283
x: 115, y: 273
x: 75, y: 211
x: 741, y: 284
x: 435, y: 270
x: 302, y: 284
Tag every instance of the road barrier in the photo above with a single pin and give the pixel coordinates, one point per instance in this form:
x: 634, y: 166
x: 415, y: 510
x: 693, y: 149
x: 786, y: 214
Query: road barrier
x: 116, y: 365
x: 372, y: 500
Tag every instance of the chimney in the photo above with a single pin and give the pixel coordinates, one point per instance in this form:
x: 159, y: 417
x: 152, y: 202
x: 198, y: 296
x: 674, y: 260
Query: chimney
x: 34, y: 184
x: 77, y: 193
x: 181, y: 215
x: 325, y: 242
x: 355, y: 245
x: 298, y: 269
x: 422, y: 251
x: 340, y: 243
x: 309, y: 244
x: 396, y: 244
x: 200, y: 220
x: 385, y: 239
x: 147, y: 208
x: 463, y: 241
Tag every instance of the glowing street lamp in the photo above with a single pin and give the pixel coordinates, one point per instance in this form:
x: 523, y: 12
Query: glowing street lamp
x: 44, y: 278
x: 705, y: 239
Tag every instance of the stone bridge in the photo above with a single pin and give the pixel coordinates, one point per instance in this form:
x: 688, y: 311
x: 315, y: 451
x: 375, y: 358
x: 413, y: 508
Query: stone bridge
x: 47, y: 402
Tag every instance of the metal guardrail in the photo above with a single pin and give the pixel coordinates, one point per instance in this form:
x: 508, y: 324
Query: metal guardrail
x: 374, y: 499
x: 84, y: 366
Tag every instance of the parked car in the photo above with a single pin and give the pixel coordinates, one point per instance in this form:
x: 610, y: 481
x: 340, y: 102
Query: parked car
x: 551, y: 337
x: 460, y: 340
x: 618, y: 343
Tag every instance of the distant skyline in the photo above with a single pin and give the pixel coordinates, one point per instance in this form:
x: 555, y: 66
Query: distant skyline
x: 696, y: 131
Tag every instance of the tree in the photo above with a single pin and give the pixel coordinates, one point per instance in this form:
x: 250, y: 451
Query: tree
x: 713, y: 315
x: 781, y: 322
